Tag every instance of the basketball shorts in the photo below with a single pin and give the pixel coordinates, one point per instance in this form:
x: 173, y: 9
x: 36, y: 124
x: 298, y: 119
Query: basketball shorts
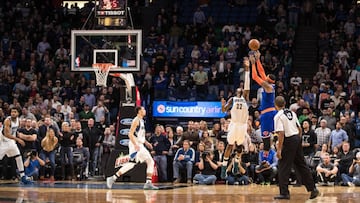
x: 8, y: 148
x: 267, y: 123
x: 236, y: 133
x: 142, y: 155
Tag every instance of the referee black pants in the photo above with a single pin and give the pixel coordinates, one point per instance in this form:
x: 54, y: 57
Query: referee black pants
x: 292, y: 155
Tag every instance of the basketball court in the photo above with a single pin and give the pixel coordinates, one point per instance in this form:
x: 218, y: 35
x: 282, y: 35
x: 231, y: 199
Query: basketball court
x: 115, y: 52
x: 133, y: 192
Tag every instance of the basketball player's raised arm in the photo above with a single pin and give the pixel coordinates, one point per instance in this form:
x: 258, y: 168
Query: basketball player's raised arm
x: 131, y: 135
x: 254, y: 74
x: 225, y: 105
x: 259, y: 80
x: 246, y: 78
x: 260, y: 68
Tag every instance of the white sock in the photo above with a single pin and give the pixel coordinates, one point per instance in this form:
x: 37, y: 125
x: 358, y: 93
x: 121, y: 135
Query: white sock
x: 115, y: 176
x: 148, y: 180
x: 20, y: 165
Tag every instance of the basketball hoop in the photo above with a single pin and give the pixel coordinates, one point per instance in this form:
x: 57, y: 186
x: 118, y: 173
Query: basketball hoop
x: 102, y: 71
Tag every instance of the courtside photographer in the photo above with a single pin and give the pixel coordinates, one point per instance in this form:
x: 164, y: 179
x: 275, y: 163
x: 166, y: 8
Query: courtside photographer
x: 207, y: 168
x: 32, y: 165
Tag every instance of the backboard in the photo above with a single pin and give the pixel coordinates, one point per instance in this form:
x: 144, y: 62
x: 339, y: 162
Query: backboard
x: 119, y: 47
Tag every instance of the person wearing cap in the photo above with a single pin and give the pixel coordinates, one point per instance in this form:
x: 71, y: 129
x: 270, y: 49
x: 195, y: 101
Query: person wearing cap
x: 353, y: 178
x: 313, y: 122
x: 289, y: 150
x: 267, y: 107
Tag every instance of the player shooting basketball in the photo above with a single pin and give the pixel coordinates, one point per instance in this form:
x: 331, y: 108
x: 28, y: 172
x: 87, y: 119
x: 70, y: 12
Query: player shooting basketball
x: 239, y: 117
x: 267, y: 106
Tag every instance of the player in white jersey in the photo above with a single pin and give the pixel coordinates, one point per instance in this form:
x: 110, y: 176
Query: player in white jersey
x: 239, y: 117
x: 8, y: 142
x: 238, y: 124
x: 136, y: 144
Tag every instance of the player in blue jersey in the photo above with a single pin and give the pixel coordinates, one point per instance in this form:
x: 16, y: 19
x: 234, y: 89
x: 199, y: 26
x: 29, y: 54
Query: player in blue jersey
x: 267, y: 106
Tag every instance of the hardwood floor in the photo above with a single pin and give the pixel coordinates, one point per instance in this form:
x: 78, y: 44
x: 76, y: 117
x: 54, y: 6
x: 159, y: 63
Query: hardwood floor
x: 76, y: 192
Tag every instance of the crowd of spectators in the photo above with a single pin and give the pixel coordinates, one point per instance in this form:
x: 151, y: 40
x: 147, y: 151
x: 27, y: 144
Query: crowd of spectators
x: 327, y: 104
x: 182, y: 62
x: 202, y: 60
x: 64, y: 116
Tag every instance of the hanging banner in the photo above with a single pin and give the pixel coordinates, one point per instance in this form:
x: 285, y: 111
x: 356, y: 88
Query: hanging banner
x: 187, y: 109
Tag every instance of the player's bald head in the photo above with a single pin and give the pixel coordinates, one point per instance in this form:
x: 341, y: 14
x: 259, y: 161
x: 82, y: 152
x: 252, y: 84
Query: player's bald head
x: 280, y: 101
x: 239, y: 92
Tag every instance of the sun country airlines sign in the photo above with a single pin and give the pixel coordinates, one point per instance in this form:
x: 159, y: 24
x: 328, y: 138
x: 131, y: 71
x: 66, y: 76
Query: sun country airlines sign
x: 187, y: 109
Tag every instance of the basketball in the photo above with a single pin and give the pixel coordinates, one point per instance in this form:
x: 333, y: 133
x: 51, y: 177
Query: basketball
x: 254, y: 44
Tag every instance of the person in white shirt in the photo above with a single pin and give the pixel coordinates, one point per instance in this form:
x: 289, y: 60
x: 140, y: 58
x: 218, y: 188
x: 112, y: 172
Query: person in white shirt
x: 221, y: 64
x: 66, y: 110
x: 55, y: 102
x: 289, y: 150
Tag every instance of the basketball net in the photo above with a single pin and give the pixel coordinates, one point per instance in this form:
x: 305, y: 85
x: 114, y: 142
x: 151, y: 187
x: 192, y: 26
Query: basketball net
x: 102, y: 71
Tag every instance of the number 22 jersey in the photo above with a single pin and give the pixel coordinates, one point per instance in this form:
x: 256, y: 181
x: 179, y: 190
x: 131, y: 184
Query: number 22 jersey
x: 239, y: 110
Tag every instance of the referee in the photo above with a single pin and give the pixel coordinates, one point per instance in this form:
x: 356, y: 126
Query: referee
x: 289, y: 151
